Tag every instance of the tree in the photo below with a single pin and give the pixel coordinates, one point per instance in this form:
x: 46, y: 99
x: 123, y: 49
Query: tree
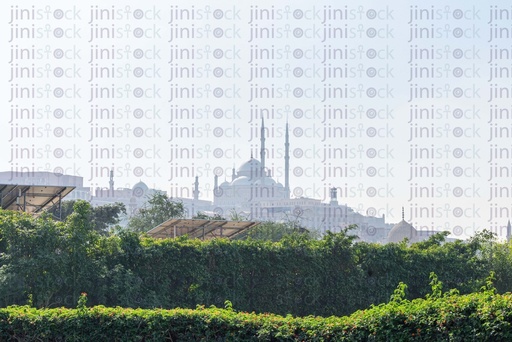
x: 107, y: 216
x: 32, y: 265
x: 102, y: 217
x: 276, y: 231
x: 81, y: 242
x: 66, y: 209
x: 203, y: 216
x: 158, y: 209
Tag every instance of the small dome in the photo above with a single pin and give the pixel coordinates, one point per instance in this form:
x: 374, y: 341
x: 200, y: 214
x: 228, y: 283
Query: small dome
x: 241, y: 181
x: 140, y: 189
x: 251, y: 168
x: 402, y: 230
x: 265, y: 181
x: 224, y: 184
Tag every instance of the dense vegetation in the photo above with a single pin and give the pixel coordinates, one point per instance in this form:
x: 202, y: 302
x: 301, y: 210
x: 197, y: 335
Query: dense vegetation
x: 49, y: 263
x: 484, y: 316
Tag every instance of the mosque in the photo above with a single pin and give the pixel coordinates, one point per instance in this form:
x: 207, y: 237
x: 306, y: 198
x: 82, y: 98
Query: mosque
x: 256, y: 195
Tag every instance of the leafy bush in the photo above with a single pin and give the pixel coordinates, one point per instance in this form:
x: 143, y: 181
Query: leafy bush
x: 480, y: 316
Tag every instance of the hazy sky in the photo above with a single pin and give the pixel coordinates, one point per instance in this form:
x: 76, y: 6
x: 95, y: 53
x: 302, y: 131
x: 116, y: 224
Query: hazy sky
x: 389, y: 102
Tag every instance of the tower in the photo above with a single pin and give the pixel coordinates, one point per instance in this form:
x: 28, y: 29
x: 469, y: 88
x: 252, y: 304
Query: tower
x: 334, y: 196
x: 196, y: 189
x: 262, y: 148
x: 111, y: 183
x: 287, y: 163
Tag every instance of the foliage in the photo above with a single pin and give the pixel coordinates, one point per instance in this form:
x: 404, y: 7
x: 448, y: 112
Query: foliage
x: 473, y: 317
x: 274, y: 231
x: 203, y: 216
x: 103, y: 217
x: 158, y: 209
x: 52, y: 263
x: 107, y: 216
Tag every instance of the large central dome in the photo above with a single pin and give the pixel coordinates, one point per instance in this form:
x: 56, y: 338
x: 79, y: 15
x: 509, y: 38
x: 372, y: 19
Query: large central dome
x: 251, y: 169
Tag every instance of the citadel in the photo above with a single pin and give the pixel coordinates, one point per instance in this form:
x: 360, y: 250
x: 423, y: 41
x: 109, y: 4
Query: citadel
x: 252, y: 193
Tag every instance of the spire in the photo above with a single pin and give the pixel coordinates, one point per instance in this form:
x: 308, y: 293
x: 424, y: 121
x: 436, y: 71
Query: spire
x: 334, y: 196
x: 215, y: 186
x: 262, y: 150
x: 403, y: 219
x: 111, y: 183
x: 287, y: 163
x: 196, y: 189
x: 233, y: 173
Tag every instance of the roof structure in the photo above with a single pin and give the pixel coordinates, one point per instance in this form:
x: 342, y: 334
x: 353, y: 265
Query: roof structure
x: 200, y: 229
x: 401, y: 231
x: 31, y: 198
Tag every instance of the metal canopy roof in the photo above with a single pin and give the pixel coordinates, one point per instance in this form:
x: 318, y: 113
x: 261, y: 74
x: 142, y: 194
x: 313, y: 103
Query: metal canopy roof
x: 31, y: 198
x: 201, y: 229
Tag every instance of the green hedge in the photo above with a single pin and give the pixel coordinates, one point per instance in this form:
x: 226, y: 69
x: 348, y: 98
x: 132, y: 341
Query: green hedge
x: 476, y: 317
x: 54, y: 262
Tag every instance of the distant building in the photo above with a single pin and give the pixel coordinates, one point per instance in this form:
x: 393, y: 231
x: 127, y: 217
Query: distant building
x: 254, y: 193
x: 133, y: 198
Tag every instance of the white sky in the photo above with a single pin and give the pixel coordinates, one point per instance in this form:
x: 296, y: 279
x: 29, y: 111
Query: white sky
x: 145, y: 147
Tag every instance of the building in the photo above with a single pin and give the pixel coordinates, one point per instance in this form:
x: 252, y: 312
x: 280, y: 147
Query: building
x: 253, y: 193
x: 133, y: 198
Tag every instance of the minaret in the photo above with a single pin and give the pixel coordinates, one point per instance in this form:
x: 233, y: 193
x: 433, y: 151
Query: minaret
x: 262, y: 151
x: 287, y: 163
x: 334, y: 196
x: 196, y: 189
x: 233, y: 174
x: 509, y: 231
x: 111, y: 183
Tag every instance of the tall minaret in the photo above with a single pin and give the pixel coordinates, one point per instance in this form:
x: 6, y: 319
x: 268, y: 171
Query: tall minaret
x: 111, y: 183
x: 262, y: 151
x: 196, y: 189
x: 287, y: 163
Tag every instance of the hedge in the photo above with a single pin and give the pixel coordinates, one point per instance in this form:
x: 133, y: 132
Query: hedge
x: 482, y: 316
x: 52, y: 263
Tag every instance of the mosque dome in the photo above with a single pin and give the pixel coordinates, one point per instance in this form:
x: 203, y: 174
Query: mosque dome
x: 265, y: 181
x: 402, y: 230
x: 140, y: 189
x: 241, y: 181
x: 251, y: 168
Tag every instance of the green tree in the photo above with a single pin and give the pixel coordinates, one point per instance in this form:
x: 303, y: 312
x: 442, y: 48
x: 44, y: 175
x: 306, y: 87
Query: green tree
x: 32, y: 261
x: 107, y: 216
x: 103, y: 218
x: 81, y: 241
x: 203, y: 216
x: 158, y: 209
x: 66, y: 209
